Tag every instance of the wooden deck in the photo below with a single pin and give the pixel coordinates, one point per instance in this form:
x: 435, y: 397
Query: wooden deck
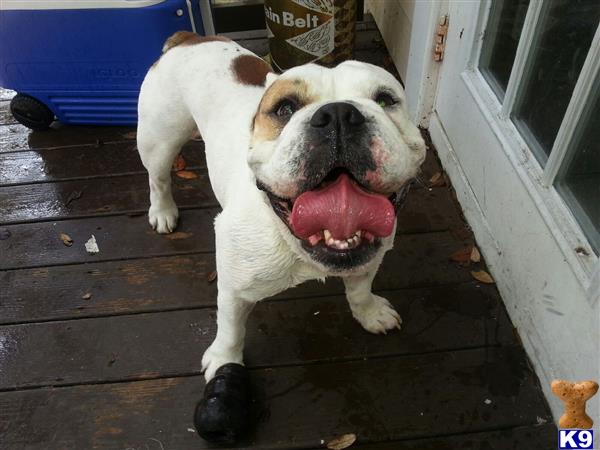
x: 103, y: 351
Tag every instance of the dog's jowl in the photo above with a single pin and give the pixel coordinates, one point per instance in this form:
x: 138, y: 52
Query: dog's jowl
x: 309, y: 167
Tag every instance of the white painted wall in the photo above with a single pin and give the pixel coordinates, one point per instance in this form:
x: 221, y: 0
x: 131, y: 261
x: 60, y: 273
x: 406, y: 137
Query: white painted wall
x: 411, y: 52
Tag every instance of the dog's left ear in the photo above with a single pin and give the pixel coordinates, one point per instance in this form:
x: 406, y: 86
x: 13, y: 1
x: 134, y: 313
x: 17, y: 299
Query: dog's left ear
x: 271, y: 77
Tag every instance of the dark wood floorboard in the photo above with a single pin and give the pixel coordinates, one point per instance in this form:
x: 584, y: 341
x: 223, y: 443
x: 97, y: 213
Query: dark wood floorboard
x: 103, y: 351
x: 39, y: 244
x: 536, y: 437
x: 72, y: 163
x: 297, y: 407
x: 133, y: 346
x: 120, y: 158
x: 18, y: 138
x: 130, y: 194
x: 173, y: 282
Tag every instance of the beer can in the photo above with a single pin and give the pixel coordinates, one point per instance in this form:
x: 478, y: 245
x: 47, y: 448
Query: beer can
x: 303, y: 31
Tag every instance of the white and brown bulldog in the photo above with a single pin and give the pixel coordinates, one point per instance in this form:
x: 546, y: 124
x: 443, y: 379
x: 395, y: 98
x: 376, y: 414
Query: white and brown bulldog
x: 309, y: 167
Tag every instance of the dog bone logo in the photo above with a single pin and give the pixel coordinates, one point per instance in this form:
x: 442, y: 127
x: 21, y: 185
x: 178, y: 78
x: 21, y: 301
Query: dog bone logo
x: 575, y: 396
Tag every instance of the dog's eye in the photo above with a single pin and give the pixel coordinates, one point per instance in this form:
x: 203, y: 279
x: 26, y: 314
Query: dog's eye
x: 385, y: 100
x: 286, y: 108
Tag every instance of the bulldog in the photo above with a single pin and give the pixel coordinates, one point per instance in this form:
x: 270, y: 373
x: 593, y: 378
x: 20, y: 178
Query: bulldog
x: 309, y: 167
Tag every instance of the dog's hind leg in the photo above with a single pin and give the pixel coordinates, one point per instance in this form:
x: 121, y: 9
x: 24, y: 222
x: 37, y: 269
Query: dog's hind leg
x: 373, y: 312
x: 158, y: 145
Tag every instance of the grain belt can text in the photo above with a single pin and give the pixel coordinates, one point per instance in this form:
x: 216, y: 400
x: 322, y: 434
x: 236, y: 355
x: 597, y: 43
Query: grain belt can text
x: 303, y: 31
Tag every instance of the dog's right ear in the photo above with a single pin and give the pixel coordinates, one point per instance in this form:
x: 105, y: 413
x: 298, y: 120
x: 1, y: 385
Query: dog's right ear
x: 271, y: 77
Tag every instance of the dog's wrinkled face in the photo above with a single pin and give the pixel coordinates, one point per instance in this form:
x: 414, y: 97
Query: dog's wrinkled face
x: 335, y: 152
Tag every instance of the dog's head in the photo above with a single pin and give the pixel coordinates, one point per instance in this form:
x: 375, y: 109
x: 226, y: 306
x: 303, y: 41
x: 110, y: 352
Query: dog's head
x: 335, y: 151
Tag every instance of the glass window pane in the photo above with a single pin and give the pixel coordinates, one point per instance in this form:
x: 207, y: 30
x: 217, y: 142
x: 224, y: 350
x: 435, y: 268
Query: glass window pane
x: 563, y: 38
x: 501, y: 39
x: 579, y: 180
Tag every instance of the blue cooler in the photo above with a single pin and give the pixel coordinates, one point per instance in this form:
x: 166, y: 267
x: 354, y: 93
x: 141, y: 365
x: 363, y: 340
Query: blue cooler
x: 83, y: 61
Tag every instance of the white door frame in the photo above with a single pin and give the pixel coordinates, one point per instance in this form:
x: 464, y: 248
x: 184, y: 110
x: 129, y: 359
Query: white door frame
x: 536, y: 251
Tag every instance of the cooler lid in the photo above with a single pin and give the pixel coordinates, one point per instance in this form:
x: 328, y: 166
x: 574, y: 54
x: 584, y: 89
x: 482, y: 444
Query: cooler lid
x: 76, y: 4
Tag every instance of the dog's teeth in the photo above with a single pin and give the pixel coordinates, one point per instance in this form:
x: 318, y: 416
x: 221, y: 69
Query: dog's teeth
x: 342, y: 244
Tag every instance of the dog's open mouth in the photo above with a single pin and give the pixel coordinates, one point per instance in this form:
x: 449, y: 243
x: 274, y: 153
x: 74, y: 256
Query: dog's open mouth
x: 339, y: 221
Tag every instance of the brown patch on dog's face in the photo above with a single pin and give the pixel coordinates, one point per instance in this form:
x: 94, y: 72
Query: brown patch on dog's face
x: 250, y: 70
x: 267, y: 125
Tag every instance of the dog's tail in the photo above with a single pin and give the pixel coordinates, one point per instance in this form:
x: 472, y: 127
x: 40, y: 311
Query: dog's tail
x: 189, y: 38
x: 177, y: 39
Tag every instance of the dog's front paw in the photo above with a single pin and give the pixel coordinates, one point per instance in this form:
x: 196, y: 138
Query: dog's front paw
x: 214, y: 358
x: 377, y: 316
x: 163, y: 220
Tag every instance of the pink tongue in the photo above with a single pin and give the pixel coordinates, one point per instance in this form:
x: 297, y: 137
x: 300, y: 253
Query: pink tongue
x: 342, y: 208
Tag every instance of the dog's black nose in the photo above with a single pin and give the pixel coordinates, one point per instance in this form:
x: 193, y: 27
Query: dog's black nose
x: 337, y: 116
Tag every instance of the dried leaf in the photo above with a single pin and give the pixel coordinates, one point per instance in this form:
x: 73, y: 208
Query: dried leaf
x: 66, y: 239
x: 475, y: 255
x: 212, y: 276
x: 437, y: 180
x: 462, y: 256
x: 130, y: 135
x: 178, y: 235
x: 186, y: 174
x: 179, y: 163
x: 483, y: 276
x: 86, y: 296
x: 75, y: 195
x: 342, y: 442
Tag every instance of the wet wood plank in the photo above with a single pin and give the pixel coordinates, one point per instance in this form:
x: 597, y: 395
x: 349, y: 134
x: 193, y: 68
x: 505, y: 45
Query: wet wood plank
x: 536, y: 437
x: 116, y: 287
x: 173, y: 282
x: 60, y: 164
x: 425, y: 209
x: 68, y: 163
x: 6, y: 94
x: 17, y: 137
x: 124, y: 237
x: 317, y: 329
x: 6, y: 118
x: 118, y: 237
x: 444, y: 392
x: 83, y: 192
x: 123, y: 194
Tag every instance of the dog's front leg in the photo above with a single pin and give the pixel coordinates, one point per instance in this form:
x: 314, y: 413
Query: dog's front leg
x: 223, y: 414
x: 228, y: 346
x: 373, y: 312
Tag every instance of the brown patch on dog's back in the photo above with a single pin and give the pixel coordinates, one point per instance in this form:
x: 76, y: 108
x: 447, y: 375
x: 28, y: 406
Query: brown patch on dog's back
x: 250, y: 69
x: 182, y: 38
x: 266, y: 126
